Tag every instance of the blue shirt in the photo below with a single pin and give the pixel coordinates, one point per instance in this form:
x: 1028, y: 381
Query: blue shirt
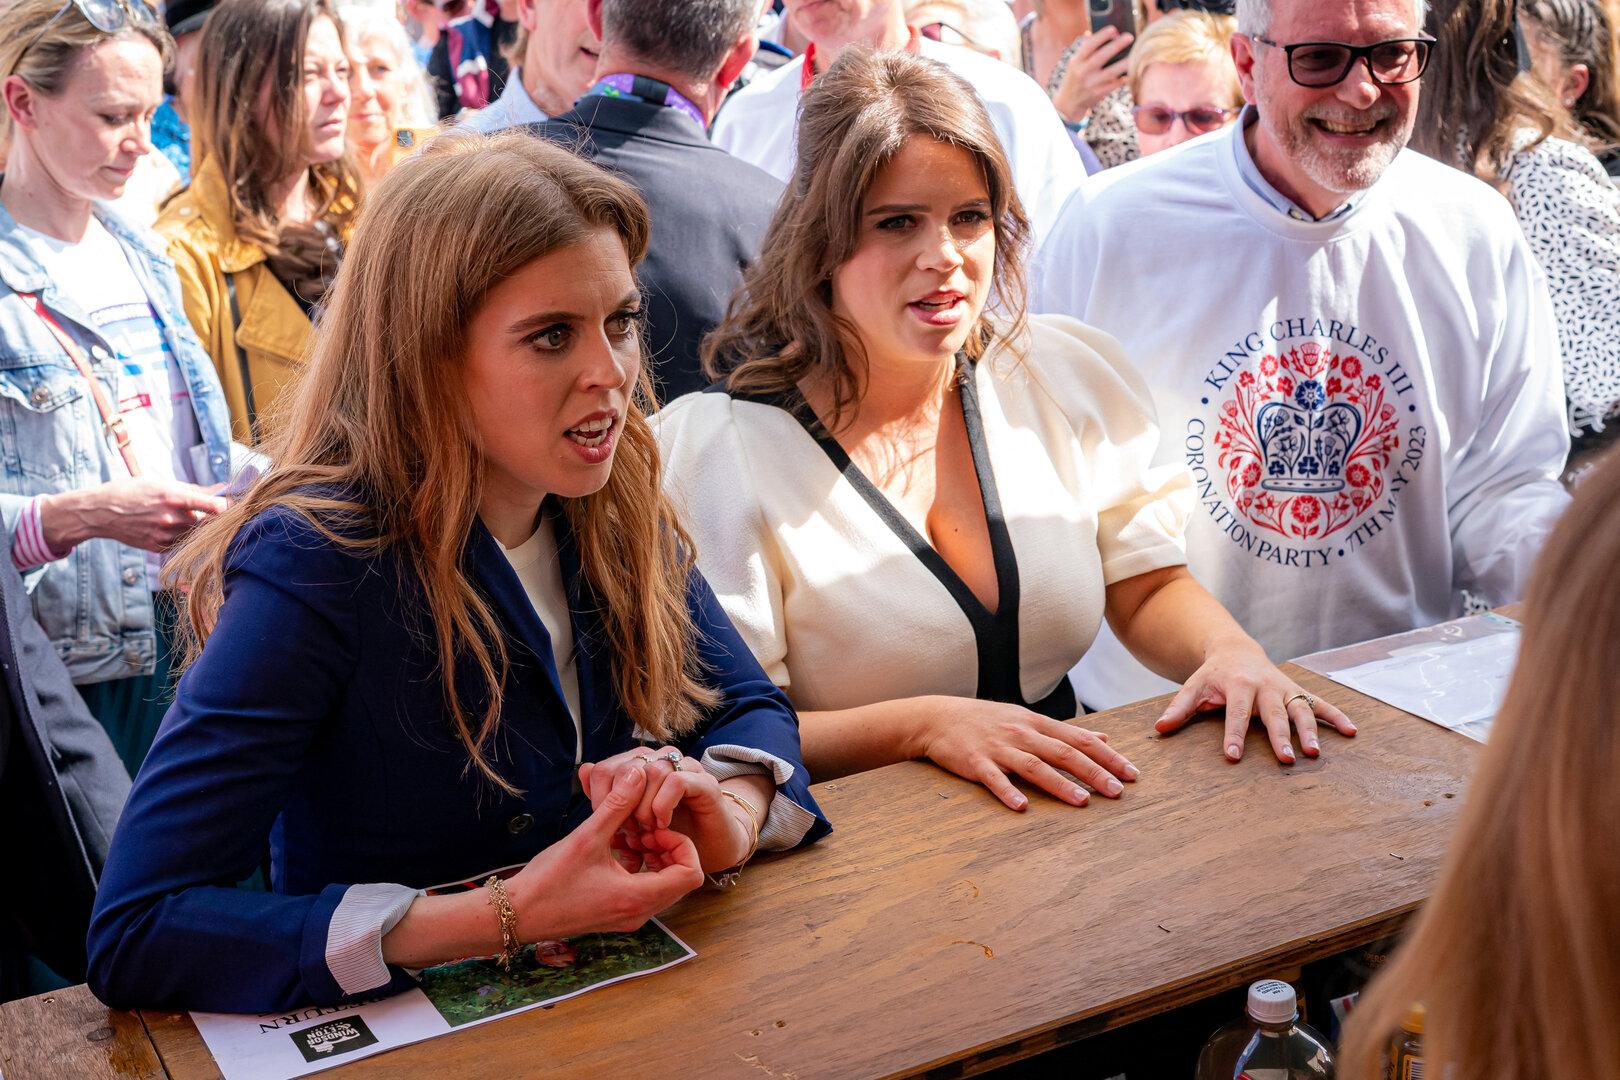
x: 172, y: 137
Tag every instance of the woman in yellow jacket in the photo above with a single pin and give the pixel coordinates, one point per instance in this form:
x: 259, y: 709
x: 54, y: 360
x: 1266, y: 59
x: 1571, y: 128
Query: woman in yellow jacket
x: 258, y: 235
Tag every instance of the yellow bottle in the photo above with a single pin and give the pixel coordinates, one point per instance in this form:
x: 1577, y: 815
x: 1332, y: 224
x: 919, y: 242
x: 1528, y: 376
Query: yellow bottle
x: 1406, y: 1048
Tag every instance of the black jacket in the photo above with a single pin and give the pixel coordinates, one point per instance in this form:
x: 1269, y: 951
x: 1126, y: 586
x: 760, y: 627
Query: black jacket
x: 709, y: 214
x: 61, y: 790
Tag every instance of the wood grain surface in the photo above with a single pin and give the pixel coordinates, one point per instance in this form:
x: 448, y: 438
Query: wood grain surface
x: 936, y: 932
x: 69, y: 1035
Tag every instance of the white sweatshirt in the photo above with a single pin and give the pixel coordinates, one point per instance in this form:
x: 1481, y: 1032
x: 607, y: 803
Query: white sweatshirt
x: 1372, y: 406
x: 759, y: 122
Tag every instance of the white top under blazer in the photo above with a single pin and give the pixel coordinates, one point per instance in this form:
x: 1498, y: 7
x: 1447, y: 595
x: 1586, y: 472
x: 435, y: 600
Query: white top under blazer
x: 843, y: 601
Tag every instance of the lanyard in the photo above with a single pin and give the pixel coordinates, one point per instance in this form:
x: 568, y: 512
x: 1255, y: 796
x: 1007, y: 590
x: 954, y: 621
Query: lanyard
x: 650, y: 91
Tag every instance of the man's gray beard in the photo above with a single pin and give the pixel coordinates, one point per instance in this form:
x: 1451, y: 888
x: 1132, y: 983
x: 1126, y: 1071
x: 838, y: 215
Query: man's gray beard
x: 1343, y: 171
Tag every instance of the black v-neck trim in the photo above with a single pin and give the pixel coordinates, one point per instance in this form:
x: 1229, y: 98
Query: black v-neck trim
x: 995, y: 634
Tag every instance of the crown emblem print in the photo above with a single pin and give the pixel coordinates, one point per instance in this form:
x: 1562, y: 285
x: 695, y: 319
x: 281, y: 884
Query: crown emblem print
x: 1304, y: 442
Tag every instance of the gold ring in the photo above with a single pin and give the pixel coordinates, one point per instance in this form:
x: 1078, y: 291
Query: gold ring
x: 1310, y: 702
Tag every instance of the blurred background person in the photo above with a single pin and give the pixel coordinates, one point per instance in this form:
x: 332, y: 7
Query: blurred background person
x: 1573, y: 46
x: 116, y: 431
x: 470, y: 61
x: 759, y: 123
x: 171, y: 133
x: 1084, y: 74
x: 390, y: 98
x: 1515, y: 958
x: 1183, y: 80
x: 1485, y: 112
x: 556, y: 59
x: 1087, y: 74
x: 424, y: 22
x: 258, y: 235
x: 985, y: 26
x: 665, y: 68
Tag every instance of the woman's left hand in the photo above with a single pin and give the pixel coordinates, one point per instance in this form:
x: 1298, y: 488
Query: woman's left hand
x: 1237, y: 674
x: 681, y: 796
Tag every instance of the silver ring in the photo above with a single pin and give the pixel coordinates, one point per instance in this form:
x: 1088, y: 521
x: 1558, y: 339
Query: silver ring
x: 1310, y: 702
x: 674, y: 758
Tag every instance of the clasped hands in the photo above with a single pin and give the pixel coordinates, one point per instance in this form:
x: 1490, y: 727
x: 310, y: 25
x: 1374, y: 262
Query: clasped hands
x: 681, y: 797
x: 659, y: 822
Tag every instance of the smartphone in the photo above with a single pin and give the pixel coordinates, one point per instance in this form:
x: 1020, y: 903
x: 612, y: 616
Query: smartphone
x: 1120, y: 14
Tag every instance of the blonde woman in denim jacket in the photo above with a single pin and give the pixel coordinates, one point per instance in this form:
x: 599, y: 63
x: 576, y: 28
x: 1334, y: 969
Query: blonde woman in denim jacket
x: 114, y: 436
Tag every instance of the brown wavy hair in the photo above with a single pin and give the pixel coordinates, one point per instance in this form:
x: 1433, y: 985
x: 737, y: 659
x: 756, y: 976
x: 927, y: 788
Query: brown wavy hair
x: 1475, y: 101
x: 376, y: 446
x: 780, y: 326
x: 250, y: 48
x: 1516, y: 957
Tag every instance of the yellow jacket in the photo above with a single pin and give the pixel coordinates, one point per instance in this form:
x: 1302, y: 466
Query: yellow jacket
x: 273, y: 333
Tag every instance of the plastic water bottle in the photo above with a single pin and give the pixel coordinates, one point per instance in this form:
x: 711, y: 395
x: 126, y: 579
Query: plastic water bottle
x: 1271, y: 1044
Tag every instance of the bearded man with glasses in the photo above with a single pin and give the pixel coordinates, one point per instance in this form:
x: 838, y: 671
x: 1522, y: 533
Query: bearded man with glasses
x: 1350, y: 345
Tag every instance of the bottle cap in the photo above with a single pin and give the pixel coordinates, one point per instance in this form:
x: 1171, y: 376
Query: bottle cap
x: 1272, y: 1001
x: 1414, y: 1020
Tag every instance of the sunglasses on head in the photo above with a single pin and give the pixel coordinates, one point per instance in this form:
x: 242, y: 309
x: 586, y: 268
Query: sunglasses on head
x: 1157, y: 119
x: 1318, y: 64
x: 108, y: 16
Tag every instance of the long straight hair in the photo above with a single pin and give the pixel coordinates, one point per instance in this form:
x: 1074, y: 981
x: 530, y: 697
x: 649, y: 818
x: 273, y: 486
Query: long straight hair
x: 780, y: 326
x: 1476, y: 103
x: 251, y: 117
x: 378, y: 451
x: 1516, y: 957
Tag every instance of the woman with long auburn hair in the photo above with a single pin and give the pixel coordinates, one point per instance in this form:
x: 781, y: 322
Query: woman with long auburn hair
x: 917, y: 504
x: 258, y: 235
x: 1516, y: 956
x: 430, y: 640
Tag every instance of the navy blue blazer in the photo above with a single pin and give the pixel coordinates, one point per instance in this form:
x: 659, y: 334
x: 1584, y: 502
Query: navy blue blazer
x: 316, y: 717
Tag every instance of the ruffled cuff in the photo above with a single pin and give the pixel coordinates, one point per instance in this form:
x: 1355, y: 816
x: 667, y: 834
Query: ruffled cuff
x: 786, y: 822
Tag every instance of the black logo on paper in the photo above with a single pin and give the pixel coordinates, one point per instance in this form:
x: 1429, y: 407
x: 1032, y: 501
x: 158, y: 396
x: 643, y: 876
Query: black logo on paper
x: 323, y: 1042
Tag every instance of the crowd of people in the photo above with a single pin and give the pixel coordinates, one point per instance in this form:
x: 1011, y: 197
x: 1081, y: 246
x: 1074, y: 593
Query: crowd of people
x: 542, y: 437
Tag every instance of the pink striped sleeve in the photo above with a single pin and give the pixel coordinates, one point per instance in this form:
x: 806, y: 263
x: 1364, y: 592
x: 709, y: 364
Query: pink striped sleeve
x: 28, y: 546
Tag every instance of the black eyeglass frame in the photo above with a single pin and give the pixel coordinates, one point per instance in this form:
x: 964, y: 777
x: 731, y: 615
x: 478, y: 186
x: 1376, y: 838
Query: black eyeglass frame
x: 1425, y: 49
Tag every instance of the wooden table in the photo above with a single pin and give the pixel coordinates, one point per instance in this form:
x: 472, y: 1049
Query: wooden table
x: 937, y: 933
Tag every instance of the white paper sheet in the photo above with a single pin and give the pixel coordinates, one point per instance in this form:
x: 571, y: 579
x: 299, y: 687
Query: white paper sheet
x: 279, y: 1046
x: 1454, y: 674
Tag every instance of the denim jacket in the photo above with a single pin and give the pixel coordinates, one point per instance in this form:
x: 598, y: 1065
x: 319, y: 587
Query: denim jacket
x: 94, y: 604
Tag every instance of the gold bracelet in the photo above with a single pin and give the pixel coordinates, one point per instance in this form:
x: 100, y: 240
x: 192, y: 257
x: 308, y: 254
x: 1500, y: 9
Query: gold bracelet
x: 510, y: 946
x: 728, y: 878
